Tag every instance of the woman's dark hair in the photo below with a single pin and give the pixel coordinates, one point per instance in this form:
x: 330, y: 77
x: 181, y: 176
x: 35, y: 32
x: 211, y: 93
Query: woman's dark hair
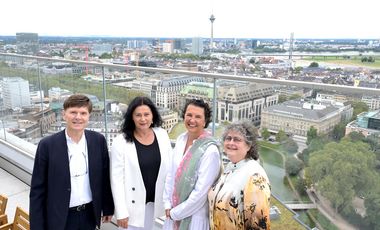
x: 128, y: 125
x: 249, y: 132
x: 199, y: 103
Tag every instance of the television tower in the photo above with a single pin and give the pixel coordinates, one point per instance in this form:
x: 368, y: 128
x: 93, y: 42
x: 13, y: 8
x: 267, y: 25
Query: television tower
x: 212, y: 19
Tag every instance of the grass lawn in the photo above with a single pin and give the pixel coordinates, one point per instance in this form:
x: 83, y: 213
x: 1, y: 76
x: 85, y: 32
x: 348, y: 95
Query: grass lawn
x: 286, y: 220
x: 355, y: 61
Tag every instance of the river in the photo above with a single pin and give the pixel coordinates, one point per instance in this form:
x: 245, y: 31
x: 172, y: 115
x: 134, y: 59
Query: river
x: 276, y: 173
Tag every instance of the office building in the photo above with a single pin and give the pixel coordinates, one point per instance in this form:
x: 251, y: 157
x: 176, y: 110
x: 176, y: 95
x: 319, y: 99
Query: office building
x: 58, y: 94
x: 169, y: 118
x: 297, y: 116
x: 244, y: 101
x: 196, y: 90
x: 168, y: 90
x: 27, y: 43
x: 366, y: 123
x: 168, y: 47
x: 372, y: 102
x: 197, y: 46
x: 15, y: 93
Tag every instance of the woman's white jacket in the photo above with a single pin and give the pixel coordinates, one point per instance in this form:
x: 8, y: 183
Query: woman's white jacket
x: 128, y: 188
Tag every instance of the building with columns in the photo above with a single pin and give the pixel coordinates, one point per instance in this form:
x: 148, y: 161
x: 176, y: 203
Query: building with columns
x: 297, y: 116
x: 164, y: 90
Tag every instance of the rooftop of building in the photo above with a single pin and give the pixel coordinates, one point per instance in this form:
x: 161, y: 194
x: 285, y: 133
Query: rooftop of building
x: 298, y: 108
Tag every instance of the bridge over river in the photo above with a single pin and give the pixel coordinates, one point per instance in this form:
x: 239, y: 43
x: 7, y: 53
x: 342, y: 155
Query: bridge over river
x: 299, y: 206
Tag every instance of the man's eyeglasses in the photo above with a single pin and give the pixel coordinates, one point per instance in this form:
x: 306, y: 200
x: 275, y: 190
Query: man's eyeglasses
x: 234, y: 139
x: 78, y: 164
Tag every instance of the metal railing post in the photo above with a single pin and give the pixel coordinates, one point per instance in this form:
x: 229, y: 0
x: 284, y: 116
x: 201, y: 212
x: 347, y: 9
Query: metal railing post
x: 105, y: 108
x: 214, y: 107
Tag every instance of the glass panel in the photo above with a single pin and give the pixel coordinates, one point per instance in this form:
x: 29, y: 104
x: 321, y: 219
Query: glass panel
x: 33, y: 90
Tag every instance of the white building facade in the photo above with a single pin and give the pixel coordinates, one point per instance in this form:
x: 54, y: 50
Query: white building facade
x: 15, y: 93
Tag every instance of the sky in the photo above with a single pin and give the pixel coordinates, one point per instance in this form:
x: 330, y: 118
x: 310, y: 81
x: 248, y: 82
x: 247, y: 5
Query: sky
x: 179, y: 18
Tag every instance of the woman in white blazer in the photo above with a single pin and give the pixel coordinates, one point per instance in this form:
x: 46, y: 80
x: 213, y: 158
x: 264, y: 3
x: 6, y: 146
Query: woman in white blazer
x: 139, y: 164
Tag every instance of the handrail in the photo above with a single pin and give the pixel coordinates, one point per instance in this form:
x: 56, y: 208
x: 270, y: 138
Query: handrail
x: 217, y: 76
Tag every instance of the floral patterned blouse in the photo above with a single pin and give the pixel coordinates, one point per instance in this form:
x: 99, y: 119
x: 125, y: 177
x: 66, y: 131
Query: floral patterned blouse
x: 240, y: 198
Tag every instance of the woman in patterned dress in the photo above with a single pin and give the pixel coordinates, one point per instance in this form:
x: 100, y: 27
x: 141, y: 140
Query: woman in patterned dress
x: 240, y: 198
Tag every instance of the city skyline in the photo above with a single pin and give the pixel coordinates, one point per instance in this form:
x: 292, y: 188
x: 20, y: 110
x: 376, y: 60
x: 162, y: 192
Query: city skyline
x: 169, y: 18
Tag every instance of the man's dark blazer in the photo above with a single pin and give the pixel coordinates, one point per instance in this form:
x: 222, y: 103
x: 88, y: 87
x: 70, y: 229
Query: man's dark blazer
x: 50, y: 186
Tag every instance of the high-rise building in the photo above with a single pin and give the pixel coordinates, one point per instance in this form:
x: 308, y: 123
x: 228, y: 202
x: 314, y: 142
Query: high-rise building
x: 167, y: 47
x: 15, y: 93
x: 179, y: 44
x: 27, y: 43
x: 197, y: 46
x: 255, y: 43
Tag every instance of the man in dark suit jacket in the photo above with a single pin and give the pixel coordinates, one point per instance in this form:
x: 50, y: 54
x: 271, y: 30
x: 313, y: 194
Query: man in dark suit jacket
x: 70, y: 186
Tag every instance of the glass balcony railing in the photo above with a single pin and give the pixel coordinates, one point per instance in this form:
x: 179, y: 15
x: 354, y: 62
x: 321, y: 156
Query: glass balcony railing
x: 33, y: 90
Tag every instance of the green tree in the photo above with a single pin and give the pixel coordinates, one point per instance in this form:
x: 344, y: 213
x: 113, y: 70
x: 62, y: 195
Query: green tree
x: 282, y: 98
x: 356, y: 136
x: 290, y: 146
x: 307, y: 179
x: 316, y: 144
x: 300, y: 186
x: 293, y: 166
x: 298, y: 69
x: 295, y: 96
x: 311, y: 134
x: 265, y: 133
x: 281, y: 136
x: 105, y: 56
x: 358, y: 107
x: 314, y: 64
x: 339, y: 131
x: 341, y: 170
x: 372, y: 204
x: 374, y: 141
